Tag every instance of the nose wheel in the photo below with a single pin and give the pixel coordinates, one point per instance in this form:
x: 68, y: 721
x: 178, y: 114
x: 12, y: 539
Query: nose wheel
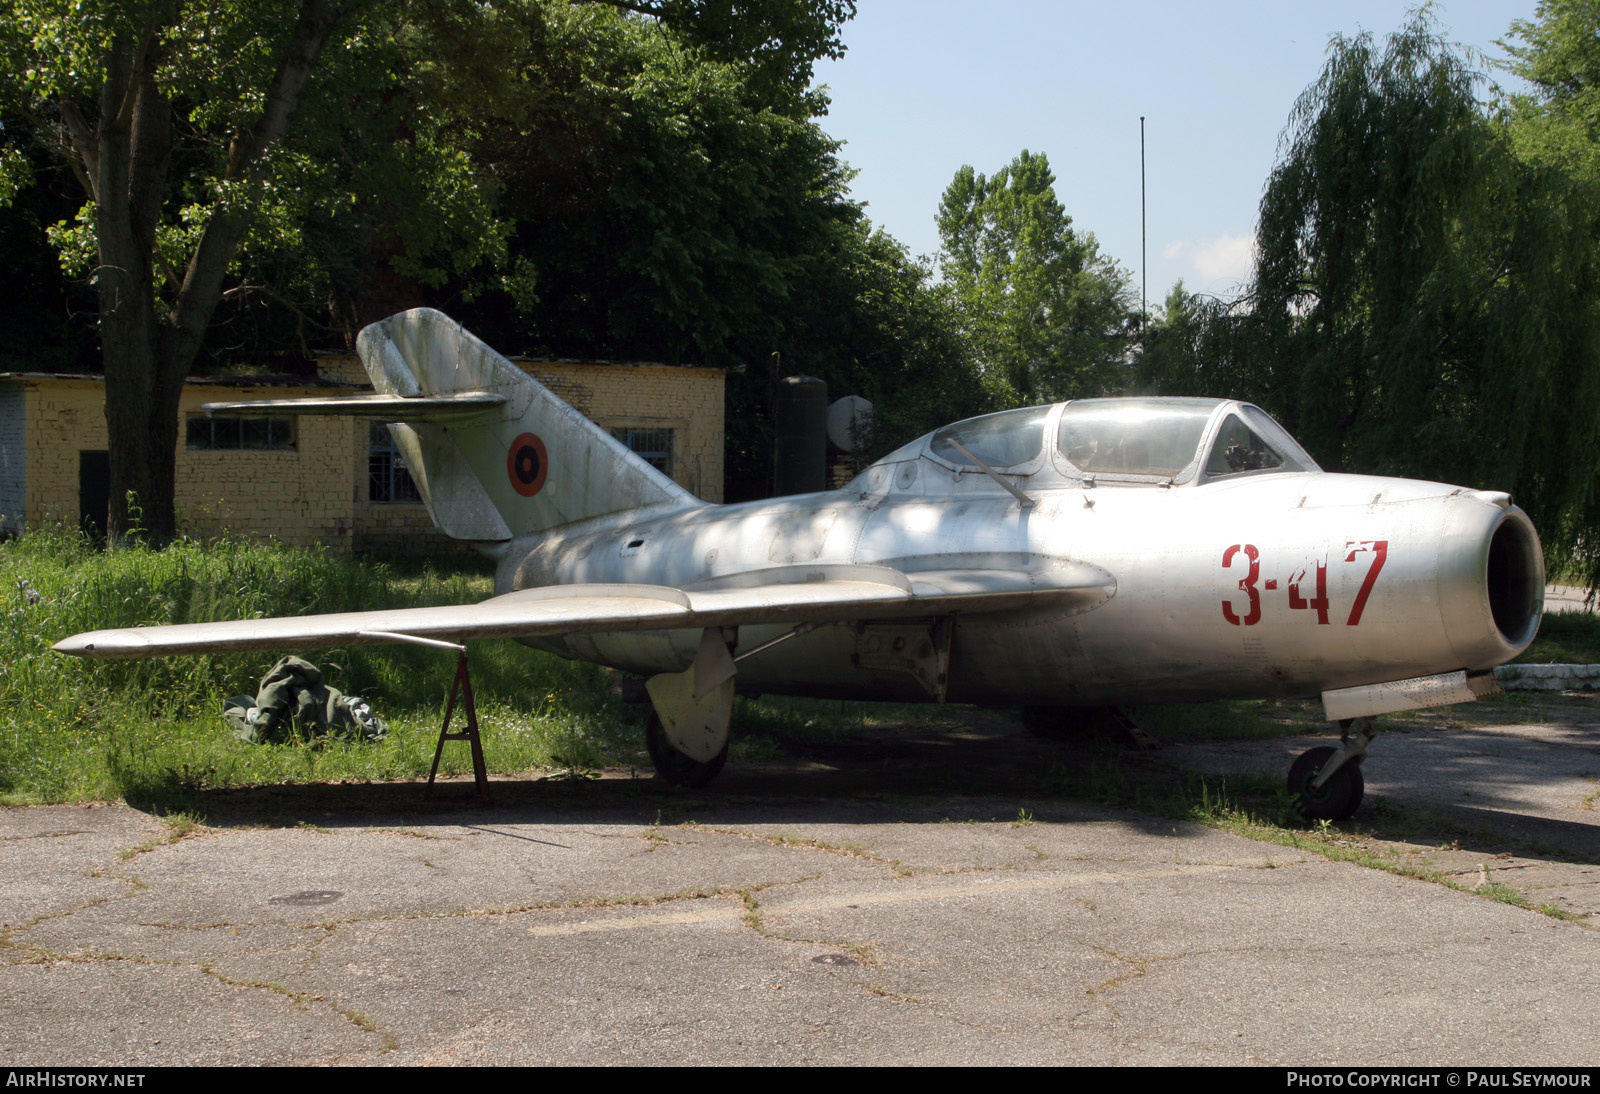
x: 1327, y: 781
x: 1335, y: 799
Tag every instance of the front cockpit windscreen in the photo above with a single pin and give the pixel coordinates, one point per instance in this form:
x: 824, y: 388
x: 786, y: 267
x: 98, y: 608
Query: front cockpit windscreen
x: 1006, y: 439
x: 1257, y: 445
x: 1157, y: 438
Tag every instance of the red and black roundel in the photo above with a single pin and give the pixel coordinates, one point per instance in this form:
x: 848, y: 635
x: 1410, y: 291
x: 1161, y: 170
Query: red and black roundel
x: 527, y: 464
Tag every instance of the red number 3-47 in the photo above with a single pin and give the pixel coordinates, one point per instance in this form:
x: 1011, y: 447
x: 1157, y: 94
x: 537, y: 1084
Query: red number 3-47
x: 1380, y: 552
x: 1247, y: 585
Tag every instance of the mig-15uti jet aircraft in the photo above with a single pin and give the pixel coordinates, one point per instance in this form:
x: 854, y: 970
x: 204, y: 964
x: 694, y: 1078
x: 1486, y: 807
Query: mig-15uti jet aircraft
x: 1095, y: 553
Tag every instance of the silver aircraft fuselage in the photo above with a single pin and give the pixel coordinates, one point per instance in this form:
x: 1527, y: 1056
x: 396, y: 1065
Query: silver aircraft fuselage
x: 1264, y: 583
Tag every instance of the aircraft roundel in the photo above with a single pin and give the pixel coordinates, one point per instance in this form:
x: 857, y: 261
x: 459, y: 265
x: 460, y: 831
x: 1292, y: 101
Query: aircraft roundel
x: 527, y: 465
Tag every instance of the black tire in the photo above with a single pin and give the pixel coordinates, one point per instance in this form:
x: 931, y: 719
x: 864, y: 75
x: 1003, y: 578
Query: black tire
x: 674, y: 767
x: 633, y: 690
x: 1339, y: 797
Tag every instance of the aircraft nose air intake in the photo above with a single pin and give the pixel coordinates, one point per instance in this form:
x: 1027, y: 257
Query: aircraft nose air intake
x: 1516, y: 579
x: 1491, y: 583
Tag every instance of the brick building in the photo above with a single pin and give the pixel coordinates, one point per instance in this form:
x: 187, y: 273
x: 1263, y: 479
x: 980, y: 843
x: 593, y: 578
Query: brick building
x: 330, y: 480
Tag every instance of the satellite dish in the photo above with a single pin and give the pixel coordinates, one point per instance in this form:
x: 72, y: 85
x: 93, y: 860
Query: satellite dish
x: 848, y: 418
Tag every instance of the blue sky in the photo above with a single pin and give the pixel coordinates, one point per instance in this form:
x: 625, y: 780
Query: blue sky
x: 929, y: 85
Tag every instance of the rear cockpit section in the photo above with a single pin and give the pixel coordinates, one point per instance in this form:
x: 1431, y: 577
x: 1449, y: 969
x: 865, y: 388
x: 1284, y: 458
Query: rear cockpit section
x: 1134, y: 438
x: 1101, y: 442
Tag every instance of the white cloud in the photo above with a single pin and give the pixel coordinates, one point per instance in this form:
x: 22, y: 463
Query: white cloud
x: 1219, y: 259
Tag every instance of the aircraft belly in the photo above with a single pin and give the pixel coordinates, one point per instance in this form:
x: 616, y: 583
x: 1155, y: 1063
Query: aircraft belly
x: 828, y: 663
x: 825, y: 663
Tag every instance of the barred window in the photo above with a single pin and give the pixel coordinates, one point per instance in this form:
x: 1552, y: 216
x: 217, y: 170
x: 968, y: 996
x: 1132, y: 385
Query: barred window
x: 387, y: 477
x: 236, y: 434
x: 654, y: 445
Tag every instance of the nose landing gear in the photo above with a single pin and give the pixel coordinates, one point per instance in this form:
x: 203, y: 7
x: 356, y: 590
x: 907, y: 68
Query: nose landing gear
x: 1326, y: 780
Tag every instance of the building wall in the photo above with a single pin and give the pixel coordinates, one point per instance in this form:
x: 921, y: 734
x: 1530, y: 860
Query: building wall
x: 13, y: 458
x: 319, y: 491
x: 301, y: 496
x: 689, y: 401
x: 62, y: 418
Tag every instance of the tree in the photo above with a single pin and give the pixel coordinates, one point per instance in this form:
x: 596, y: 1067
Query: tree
x: 201, y: 133
x: 775, y: 41
x: 865, y: 318
x: 1426, y: 301
x: 663, y: 203
x: 37, y: 304
x: 1047, y: 314
x: 1559, y: 54
x: 123, y: 91
x: 674, y: 206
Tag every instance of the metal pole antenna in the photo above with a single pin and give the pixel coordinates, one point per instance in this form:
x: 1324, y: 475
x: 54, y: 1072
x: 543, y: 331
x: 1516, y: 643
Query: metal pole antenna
x: 1144, y: 262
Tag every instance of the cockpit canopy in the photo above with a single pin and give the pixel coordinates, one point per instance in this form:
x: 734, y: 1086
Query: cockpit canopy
x: 1136, y: 440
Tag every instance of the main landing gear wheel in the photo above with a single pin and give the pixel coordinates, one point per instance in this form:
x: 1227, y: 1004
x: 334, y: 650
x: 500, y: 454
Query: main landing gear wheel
x: 1338, y: 798
x: 673, y: 766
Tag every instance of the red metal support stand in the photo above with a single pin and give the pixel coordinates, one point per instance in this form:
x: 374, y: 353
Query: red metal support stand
x: 462, y: 689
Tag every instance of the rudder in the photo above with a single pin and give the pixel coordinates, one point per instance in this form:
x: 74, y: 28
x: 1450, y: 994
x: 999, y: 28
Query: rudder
x: 527, y: 465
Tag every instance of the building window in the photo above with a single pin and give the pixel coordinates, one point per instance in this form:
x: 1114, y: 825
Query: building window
x: 236, y: 434
x: 653, y: 445
x: 387, y: 477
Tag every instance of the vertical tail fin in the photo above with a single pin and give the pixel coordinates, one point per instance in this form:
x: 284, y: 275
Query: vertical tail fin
x: 530, y: 464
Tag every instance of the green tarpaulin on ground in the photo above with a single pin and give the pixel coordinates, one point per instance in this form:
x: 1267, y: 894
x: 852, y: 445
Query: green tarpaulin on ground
x: 294, y: 703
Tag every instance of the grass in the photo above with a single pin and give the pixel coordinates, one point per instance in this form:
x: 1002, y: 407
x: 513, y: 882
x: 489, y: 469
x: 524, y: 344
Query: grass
x: 1229, y: 719
x: 766, y: 726
x: 1106, y: 774
x: 151, y: 731
x: 1566, y: 638
x: 73, y: 729
x: 778, y: 716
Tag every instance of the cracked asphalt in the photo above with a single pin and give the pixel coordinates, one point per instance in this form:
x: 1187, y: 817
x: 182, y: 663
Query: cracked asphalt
x: 851, y: 908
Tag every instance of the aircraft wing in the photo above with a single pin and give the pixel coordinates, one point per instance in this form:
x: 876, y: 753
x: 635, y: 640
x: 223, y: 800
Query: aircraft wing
x: 794, y: 594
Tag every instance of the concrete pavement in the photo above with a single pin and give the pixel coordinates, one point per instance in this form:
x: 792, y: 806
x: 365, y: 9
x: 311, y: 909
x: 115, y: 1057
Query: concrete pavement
x: 833, y: 915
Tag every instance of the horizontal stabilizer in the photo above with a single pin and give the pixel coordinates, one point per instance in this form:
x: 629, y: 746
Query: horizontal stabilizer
x: 458, y: 407
x: 868, y: 593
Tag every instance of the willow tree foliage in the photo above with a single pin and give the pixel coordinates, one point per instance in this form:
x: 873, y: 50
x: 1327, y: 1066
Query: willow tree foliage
x: 1047, y: 315
x: 1426, y: 301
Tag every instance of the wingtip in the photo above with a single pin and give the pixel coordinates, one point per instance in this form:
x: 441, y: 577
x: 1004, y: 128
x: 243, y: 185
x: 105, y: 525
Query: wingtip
x: 78, y: 645
x: 101, y: 644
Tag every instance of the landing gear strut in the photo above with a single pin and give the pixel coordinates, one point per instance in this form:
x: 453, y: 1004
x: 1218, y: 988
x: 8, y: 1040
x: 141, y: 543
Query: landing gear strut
x: 1326, y: 780
x: 687, y: 732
